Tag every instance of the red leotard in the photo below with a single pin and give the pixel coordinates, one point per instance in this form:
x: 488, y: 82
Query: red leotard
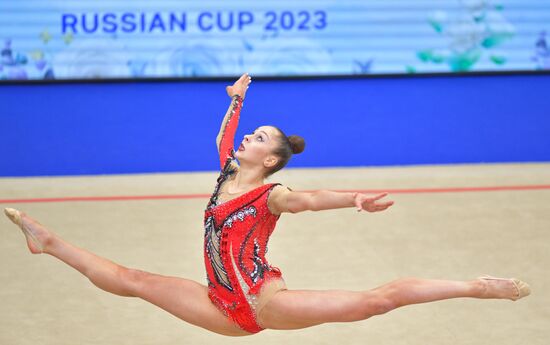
x: 235, y: 240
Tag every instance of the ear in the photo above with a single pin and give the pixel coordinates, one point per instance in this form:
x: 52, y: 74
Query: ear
x: 270, y: 161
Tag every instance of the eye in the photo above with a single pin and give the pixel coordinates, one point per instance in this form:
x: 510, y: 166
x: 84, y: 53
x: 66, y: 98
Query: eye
x: 260, y: 138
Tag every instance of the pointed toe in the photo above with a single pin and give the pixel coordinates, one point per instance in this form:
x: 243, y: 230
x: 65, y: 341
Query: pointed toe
x: 523, y: 288
x: 13, y: 215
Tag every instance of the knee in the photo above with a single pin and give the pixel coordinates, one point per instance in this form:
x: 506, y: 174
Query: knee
x: 133, y: 279
x: 391, y: 294
x: 377, y: 304
x: 387, y: 297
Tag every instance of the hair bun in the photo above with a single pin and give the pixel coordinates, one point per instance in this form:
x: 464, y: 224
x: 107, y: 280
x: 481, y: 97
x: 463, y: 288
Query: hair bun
x: 297, y: 143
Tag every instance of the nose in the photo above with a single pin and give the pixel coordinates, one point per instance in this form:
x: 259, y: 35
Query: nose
x: 246, y: 138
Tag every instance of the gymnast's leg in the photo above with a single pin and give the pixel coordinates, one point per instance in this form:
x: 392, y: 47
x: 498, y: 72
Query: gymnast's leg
x: 294, y: 309
x: 185, y: 299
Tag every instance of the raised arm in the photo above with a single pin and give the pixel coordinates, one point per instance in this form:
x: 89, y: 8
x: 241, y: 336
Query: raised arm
x: 284, y: 200
x: 226, y: 136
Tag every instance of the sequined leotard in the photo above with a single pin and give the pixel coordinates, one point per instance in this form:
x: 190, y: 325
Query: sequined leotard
x: 235, y: 240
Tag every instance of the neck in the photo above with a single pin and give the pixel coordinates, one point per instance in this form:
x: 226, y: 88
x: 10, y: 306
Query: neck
x: 246, y: 179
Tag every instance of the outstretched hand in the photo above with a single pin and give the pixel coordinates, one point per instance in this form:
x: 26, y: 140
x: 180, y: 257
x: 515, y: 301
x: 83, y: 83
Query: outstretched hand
x: 371, y: 203
x: 240, y: 86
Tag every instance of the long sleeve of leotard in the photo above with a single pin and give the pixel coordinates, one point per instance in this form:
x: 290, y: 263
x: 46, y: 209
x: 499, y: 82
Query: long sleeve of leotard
x: 229, y: 126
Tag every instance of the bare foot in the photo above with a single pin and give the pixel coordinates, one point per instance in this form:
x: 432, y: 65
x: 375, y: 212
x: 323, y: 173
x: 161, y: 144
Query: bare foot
x: 38, y: 237
x: 512, y: 289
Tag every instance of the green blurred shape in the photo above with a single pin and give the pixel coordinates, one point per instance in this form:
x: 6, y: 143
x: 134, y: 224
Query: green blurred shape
x: 498, y: 60
x: 464, y: 62
x: 479, y: 18
x: 491, y: 41
x: 437, y: 26
x: 494, y: 40
x: 438, y: 58
x: 410, y: 69
x: 424, y: 55
x: 430, y: 56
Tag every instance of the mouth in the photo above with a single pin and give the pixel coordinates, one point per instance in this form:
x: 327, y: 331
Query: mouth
x: 241, y: 147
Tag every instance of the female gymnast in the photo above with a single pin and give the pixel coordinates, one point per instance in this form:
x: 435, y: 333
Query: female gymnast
x: 244, y: 294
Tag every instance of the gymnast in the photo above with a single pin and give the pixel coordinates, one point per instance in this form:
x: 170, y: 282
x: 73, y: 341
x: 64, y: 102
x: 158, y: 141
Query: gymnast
x: 244, y: 294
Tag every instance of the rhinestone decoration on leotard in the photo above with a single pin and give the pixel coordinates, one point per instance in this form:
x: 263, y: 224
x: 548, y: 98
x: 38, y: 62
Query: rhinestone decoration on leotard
x: 212, y: 247
x: 237, y: 268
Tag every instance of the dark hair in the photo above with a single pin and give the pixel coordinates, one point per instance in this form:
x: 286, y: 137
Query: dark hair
x: 293, y: 144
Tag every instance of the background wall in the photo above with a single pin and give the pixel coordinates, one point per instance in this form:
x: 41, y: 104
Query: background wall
x: 98, y: 128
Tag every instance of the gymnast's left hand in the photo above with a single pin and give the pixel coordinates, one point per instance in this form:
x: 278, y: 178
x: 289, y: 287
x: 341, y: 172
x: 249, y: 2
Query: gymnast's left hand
x: 371, y: 203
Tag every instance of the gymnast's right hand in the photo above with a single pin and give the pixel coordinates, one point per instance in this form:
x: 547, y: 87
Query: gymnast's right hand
x: 240, y: 86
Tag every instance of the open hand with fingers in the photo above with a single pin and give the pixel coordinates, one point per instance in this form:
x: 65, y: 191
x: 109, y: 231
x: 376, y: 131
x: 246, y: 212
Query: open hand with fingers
x: 240, y: 86
x: 371, y: 203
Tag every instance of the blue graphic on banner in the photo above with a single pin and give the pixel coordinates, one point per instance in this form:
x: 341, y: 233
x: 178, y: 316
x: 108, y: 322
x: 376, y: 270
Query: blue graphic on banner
x: 53, y: 39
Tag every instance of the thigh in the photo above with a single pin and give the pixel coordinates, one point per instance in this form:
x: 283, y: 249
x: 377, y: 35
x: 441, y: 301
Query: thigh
x: 187, y: 300
x: 294, y: 309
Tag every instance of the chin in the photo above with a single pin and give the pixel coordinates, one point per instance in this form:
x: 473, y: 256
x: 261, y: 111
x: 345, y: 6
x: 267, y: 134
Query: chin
x: 240, y: 157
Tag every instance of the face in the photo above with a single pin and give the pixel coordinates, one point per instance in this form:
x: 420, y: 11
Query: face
x: 258, y: 147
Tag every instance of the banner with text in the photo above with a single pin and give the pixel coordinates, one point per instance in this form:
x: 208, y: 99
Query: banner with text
x: 53, y: 39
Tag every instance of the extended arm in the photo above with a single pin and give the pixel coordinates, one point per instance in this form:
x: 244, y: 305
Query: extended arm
x: 226, y: 135
x: 284, y: 200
